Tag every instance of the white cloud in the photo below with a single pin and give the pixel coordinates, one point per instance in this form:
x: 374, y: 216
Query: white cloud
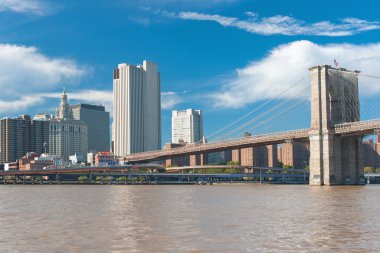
x: 288, y: 63
x: 178, y: 3
x: 283, y: 25
x: 28, y: 70
x: 25, y: 72
x: 19, y: 105
x: 170, y: 99
x: 103, y: 97
x: 24, y: 6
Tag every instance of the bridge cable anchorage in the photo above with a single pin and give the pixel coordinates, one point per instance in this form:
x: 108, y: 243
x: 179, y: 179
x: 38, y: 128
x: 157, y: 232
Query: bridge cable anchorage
x: 294, y: 98
x: 259, y: 107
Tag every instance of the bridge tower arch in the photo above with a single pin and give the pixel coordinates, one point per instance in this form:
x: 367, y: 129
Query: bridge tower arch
x: 334, y: 159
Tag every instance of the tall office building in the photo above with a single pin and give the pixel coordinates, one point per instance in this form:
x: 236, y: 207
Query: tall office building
x: 98, y: 125
x: 187, y: 126
x: 21, y: 135
x: 137, y: 108
x: 67, y: 136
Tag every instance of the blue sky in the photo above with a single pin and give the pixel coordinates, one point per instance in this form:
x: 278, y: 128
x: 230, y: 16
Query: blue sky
x: 225, y: 57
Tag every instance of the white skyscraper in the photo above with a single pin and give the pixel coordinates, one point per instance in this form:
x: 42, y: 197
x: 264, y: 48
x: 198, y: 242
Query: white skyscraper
x: 137, y: 108
x: 187, y: 126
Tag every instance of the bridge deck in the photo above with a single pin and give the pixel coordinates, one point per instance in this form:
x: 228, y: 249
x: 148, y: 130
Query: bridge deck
x: 352, y: 128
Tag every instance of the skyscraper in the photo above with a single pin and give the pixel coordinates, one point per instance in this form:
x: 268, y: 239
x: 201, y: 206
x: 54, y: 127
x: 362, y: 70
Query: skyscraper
x: 137, y: 108
x: 187, y: 126
x: 21, y: 135
x: 98, y: 125
x: 67, y: 135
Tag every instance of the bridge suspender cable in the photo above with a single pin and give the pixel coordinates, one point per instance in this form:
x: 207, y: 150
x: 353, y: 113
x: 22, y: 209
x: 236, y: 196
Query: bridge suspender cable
x: 258, y: 108
x: 270, y: 110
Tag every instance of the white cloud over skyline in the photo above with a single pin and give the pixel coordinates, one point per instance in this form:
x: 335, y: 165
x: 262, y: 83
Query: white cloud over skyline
x: 28, y: 79
x: 283, y: 25
x: 25, y: 72
x: 24, y: 68
x: 288, y: 63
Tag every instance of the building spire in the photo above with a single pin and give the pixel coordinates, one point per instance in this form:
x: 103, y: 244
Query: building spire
x: 64, y: 110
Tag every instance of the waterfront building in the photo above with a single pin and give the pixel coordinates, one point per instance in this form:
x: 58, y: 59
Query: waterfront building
x: 106, y: 159
x: 91, y: 158
x: 137, y: 108
x: 35, y: 161
x: 98, y: 125
x: 67, y: 136
x: 187, y: 126
x: 369, y: 153
x: 11, y: 166
x: 15, y: 138
x: 76, y: 159
x: 21, y: 135
x: 221, y: 157
x: 295, y: 154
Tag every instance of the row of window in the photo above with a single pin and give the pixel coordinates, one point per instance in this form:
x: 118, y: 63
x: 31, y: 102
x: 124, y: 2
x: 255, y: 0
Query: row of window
x: 54, y: 128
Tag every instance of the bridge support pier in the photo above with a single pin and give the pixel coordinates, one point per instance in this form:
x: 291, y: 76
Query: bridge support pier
x: 236, y: 155
x: 334, y: 159
x: 198, y: 159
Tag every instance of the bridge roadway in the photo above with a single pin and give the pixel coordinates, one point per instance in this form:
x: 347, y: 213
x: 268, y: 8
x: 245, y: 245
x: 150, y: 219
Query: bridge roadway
x: 351, y: 128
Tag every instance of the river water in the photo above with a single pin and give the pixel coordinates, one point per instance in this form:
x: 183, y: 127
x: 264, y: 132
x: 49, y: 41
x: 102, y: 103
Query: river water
x: 194, y: 218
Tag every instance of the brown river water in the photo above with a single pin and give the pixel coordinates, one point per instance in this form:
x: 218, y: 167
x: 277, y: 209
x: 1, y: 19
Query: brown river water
x: 193, y: 218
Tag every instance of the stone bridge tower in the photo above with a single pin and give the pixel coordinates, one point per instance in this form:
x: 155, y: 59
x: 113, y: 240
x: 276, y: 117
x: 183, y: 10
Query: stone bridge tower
x: 334, y: 159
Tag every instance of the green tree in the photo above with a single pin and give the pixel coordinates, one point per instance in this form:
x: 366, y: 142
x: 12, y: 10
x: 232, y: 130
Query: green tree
x: 83, y: 178
x: 377, y: 170
x: 369, y: 169
x: 108, y: 178
x: 121, y: 179
x: 287, y: 166
x: 233, y: 163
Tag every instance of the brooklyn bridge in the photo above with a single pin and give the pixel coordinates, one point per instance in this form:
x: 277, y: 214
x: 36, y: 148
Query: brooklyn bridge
x: 334, y: 137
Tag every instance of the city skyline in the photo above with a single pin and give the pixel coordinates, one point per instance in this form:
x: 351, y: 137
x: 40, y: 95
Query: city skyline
x: 230, y: 53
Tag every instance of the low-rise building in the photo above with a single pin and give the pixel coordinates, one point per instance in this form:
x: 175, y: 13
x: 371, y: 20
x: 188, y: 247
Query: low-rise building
x: 34, y: 161
x: 76, y: 159
x: 106, y: 159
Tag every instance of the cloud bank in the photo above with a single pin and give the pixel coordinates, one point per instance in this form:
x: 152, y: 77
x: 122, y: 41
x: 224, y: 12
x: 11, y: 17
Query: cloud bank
x: 288, y: 63
x: 283, y: 25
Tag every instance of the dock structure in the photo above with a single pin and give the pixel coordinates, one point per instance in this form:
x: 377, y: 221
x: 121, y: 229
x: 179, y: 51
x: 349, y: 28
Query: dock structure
x: 154, y: 174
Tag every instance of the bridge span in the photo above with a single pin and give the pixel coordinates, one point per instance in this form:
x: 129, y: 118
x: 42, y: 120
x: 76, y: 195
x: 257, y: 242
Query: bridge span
x: 346, y: 129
